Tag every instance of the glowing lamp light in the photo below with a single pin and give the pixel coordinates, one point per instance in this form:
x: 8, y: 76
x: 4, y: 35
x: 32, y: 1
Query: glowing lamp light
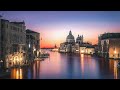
x: 115, y: 52
x: 1, y: 61
x: 29, y: 45
x: 77, y: 50
x: 82, y: 51
x: 17, y: 59
x: 34, y: 49
x: 20, y: 59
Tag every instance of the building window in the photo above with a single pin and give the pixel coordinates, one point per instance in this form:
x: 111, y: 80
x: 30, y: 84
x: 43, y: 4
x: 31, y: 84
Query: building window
x: 2, y: 26
x: 11, y: 27
x: 7, y: 25
x: 37, y: 41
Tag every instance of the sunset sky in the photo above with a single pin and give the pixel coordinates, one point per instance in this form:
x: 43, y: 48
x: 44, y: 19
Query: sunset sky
x: 54, y: 26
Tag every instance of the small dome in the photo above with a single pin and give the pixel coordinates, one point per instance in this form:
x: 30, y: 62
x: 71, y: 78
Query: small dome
x: 78, y: 38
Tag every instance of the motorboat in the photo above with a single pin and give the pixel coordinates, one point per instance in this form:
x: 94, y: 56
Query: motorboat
x: 44, y: 55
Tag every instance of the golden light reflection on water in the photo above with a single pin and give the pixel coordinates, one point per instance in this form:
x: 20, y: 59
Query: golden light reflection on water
x: 16, y: 73
x: 113, y: 68
x: 82, y: 63
x: 36, y: 70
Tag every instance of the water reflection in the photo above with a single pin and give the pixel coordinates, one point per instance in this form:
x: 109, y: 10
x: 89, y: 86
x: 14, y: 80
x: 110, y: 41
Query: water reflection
x: 113, y: 68
x: 69, y: 66
x: 82, y: 65
x: 36, y: 70
x: 89, y: 67
x: 29, y: 73
x: 17, y: 73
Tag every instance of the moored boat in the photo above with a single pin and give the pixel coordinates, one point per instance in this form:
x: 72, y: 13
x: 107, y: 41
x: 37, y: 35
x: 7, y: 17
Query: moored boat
x: 118, y: 65
x: 44, y: 55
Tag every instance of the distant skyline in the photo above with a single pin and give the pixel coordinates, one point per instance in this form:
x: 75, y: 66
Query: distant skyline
x: 54, y: 26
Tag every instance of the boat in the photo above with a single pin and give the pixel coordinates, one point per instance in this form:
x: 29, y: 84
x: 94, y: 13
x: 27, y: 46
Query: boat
x: 118, y: 65
x: 55, y: 50
x: 39, y: 59
x: 44, y: 55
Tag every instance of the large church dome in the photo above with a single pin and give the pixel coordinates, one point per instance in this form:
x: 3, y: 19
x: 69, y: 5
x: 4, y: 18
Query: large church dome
x: 70, y: 37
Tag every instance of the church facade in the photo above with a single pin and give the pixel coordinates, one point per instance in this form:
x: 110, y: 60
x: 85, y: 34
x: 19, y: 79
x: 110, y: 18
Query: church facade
x: 78, y: 46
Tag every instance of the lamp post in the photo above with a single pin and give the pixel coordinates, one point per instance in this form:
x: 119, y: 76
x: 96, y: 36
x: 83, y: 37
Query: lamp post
x: 34, y: 51
x: 1, y: 63
x: 115, y: 54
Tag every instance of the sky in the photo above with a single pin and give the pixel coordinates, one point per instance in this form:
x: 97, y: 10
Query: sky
x: 54, y: 26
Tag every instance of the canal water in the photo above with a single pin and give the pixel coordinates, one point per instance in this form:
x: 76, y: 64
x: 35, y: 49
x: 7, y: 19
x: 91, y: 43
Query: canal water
x: 69, y: 66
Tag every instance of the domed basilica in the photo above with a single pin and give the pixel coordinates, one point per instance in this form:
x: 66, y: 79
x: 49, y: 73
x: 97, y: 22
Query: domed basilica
x: 70, y: 39
x: 74, y: 46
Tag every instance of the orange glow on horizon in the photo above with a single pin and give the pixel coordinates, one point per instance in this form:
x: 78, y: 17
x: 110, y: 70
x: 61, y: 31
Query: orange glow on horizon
x: 50, y: 44
x: 53, y: 35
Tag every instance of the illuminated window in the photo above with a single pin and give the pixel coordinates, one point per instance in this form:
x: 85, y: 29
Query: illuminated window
x: 29, y: 45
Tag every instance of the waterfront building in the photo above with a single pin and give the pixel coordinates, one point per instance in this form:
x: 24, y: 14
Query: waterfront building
x: 62, y: 47
x: 87, y: 48
x: 32, y: 44
x: 96, y: 49
x: 13, y: 41
x: 70, y: 46
x: 109, y: 45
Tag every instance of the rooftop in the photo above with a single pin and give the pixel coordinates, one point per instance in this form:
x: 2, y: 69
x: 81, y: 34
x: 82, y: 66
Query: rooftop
x: 13, y: 22
x: 18, y: 22
x: 109, y: 35
x: 30, y: 31
x: 4, y: 20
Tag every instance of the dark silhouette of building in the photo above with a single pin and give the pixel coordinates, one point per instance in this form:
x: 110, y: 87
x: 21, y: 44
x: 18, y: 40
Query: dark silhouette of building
x: 12, y: 41
x: 33, y: 44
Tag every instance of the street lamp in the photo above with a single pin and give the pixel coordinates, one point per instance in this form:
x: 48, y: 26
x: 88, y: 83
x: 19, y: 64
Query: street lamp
x: 1, y: 63
x: 115, y: 54
x: 82, y: 51
x: 34, y: 49
x: 29, y: 45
